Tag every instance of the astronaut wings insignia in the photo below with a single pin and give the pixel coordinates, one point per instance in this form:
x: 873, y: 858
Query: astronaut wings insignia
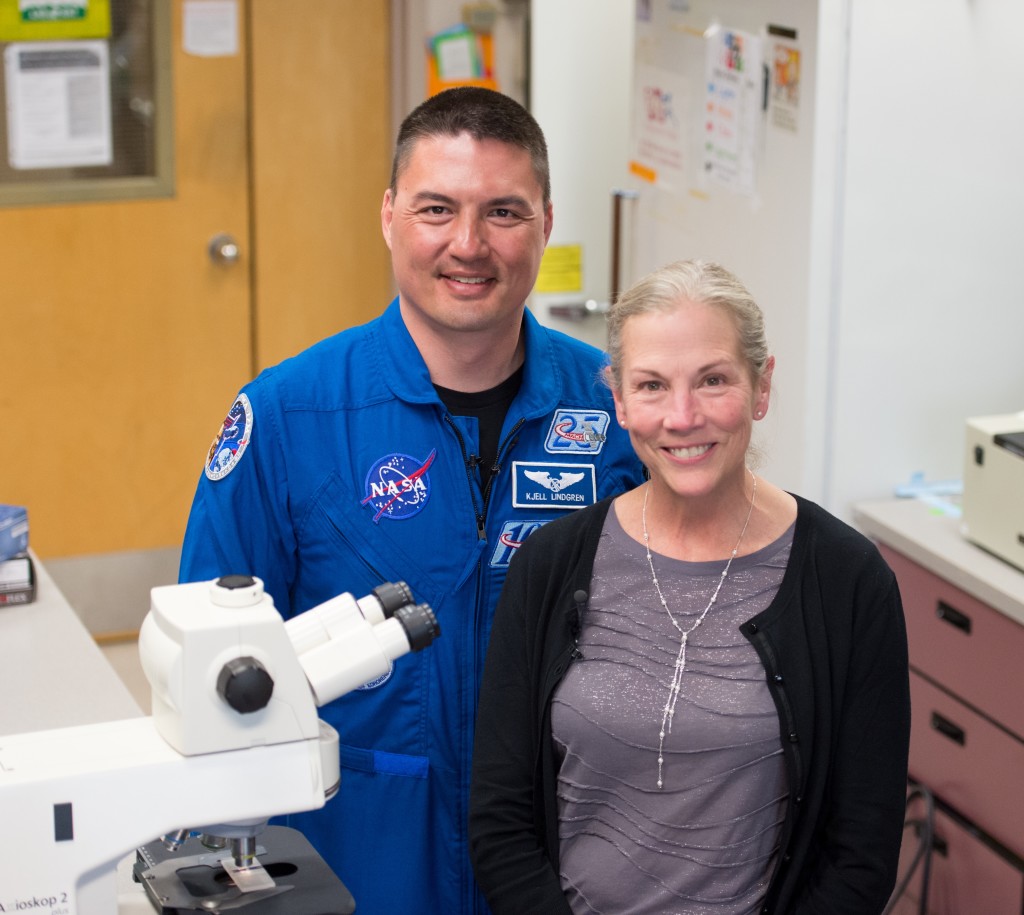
x: 555, y: 485
x: 537, y: 484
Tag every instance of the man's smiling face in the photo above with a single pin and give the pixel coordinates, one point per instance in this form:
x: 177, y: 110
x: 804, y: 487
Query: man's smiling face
x: 466, y: 226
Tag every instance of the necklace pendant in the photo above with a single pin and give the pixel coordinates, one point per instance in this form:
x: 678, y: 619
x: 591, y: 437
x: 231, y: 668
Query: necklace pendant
x: 680, y: 665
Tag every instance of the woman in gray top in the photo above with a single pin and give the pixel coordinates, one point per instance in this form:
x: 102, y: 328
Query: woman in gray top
x: 695, y: 697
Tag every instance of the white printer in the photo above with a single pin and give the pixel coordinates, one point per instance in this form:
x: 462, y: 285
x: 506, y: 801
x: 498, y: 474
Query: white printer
x: 993, y: 497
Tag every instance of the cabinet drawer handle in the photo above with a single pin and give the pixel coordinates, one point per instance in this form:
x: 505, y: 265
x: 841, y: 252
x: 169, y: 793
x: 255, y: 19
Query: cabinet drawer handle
x: 953, y: 616
x: 946, y: 727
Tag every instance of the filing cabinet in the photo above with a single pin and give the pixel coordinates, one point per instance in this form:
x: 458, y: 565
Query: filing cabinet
x: 965, y: 626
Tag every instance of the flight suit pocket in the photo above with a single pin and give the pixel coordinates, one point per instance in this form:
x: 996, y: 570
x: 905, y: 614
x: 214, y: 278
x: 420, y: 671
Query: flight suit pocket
x: 338, y: 531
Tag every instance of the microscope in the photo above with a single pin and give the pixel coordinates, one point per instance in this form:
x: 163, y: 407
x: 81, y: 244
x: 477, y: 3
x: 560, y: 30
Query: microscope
x: 233, y: 740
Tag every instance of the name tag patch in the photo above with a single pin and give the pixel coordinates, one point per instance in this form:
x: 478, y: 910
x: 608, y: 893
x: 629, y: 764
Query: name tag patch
x: 538, y: 485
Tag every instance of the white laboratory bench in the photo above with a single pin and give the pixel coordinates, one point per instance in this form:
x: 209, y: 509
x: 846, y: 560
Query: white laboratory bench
x: 965, y: 627
x: 52, y: 673
x: 931, y: 537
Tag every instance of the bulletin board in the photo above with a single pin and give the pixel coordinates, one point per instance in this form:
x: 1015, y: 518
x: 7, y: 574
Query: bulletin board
x: 87, y: 108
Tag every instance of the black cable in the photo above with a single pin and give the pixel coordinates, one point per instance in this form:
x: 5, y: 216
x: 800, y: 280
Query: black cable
x: 926, y: 867
x: 922, y: 855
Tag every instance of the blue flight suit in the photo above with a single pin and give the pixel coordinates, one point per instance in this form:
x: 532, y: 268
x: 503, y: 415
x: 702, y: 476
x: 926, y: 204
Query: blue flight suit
x: 339, y: 469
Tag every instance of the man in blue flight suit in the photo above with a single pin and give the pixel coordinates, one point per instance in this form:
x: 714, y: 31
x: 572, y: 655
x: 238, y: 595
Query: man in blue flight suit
x: 424, y: 446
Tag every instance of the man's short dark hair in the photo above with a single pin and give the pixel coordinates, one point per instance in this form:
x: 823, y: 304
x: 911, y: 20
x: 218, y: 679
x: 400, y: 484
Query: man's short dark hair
x: 482, y: 113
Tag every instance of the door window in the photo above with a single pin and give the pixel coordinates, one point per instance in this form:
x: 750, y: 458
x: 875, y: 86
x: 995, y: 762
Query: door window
x: 87, y: 118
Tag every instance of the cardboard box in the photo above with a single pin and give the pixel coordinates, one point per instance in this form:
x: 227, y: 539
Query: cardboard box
x: 13, y: 531
x: 17, y: 581
x: 993, y: 499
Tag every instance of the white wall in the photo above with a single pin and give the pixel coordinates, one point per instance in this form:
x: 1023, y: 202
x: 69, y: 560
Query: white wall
x: 766, y: 236
x: 581, y: 73
x: 932, y: 322
x: 893, y: 294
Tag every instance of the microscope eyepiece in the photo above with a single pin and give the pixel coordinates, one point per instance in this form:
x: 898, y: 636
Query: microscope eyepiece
x: 392, y: 595
x: 420, y: 625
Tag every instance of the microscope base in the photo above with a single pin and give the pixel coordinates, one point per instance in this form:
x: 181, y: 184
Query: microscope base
x: 191, y: 879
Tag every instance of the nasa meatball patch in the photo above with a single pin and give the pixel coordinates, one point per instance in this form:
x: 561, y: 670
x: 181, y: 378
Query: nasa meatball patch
x: 229, y: 446
x: 397, y: 486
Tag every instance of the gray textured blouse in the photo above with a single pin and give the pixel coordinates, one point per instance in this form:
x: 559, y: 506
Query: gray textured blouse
x: 706, y: 841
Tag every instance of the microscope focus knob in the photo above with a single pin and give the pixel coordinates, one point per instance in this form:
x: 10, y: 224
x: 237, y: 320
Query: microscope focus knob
x: 245, y: 685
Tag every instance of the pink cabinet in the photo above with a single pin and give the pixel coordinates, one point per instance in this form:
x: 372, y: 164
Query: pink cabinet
x: 967, y: 709
x: 968, y: 876
x: 959, y: 641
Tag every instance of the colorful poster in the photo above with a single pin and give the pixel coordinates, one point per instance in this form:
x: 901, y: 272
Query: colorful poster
x: 661, y: 109
x: 460, y: 56
x: 734, y: 82
x: 785, y: 94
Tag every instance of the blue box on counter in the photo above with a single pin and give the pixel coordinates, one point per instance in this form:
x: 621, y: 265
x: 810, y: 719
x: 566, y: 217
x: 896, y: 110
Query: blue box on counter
x: 17, y: 581
x: 13, y: 531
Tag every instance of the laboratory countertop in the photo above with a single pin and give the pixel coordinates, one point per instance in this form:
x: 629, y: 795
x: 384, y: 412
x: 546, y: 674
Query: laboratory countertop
x: 52, y: 673
x: 931, y: 537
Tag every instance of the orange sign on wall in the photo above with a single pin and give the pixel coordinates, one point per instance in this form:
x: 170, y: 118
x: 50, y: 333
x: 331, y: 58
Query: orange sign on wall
x: 460, y: 57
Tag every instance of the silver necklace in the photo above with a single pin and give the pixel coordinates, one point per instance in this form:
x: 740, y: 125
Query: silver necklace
x: 684, y: 634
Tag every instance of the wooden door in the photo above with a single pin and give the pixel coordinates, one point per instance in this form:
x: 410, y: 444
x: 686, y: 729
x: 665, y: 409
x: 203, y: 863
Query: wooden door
x: 321, y: 160
x: 122, y: 343
x: 123, y: 336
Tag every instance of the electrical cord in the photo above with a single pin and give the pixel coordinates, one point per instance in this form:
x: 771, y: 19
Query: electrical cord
x: 925, y: 827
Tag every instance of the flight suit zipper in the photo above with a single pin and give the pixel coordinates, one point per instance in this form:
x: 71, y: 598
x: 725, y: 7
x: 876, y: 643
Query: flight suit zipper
x: 470, y: 463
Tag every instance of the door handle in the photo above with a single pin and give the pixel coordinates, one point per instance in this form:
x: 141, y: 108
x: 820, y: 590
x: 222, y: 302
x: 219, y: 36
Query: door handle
x: 618, y: 196
x: 223, y: 249
x: 577, y: 311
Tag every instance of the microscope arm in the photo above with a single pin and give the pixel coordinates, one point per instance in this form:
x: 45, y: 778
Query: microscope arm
x: 234, y: 736
x: 75, y: 801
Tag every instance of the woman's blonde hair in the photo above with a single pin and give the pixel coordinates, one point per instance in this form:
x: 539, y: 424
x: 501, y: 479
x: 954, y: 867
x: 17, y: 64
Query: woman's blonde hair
x: 692, y: 281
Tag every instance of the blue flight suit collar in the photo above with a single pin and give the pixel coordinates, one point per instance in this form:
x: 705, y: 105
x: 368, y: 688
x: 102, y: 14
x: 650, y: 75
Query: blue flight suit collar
x: 407, y: 376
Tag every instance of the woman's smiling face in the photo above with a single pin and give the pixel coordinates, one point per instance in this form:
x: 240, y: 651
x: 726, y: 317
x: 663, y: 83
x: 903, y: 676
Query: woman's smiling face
x: 687, y: 397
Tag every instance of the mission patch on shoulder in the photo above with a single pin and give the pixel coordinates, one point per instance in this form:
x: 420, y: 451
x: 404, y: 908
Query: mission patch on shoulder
x: 230, y: 444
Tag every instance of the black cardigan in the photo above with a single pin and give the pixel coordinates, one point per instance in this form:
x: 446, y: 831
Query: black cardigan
x: 834, y: 649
